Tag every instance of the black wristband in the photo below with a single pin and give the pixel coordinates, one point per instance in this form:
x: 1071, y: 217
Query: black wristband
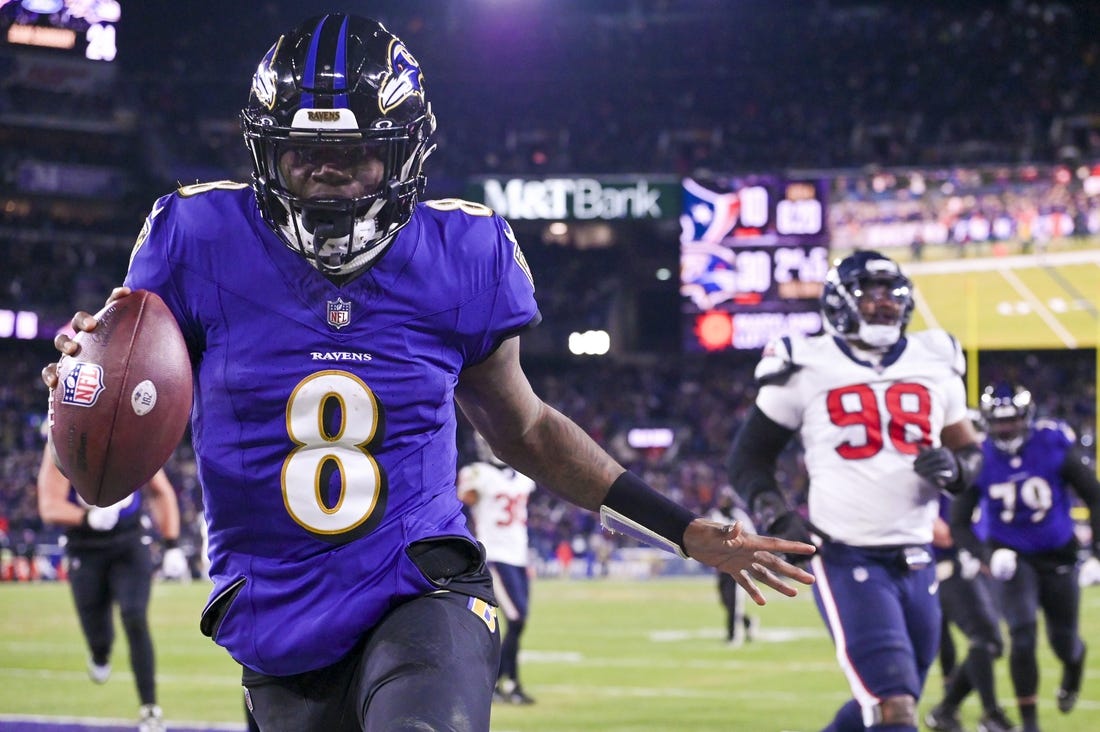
x: 170, y: 543
x: 631, y: 497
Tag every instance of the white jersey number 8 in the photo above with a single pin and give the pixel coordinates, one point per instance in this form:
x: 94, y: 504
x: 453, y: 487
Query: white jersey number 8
x: 329, y: 452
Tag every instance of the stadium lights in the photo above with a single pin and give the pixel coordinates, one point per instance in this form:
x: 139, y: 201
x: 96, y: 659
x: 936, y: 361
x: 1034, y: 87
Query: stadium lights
x: 19, y: 324
x: 590, y: 343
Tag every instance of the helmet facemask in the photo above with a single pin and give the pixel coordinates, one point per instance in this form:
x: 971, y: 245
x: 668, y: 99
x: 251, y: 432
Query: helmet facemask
x: 879, y: 329
x: 339, y: 236
x: 876, y: 283
x: 1007, y: 410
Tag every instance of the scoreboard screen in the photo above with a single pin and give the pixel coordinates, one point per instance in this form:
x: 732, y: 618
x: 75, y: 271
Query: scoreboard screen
x: 85, y: 28
x: 754, y: 251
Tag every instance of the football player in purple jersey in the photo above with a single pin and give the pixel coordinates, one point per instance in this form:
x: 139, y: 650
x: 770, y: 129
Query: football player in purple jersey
x: 1025, y: 537
x: 882, y: 419
x: 110, y: 565
x: 334, y: 321
x: 966, y: 599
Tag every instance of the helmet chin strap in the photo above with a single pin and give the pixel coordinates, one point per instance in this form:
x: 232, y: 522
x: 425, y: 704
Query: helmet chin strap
x: 325, y: 226
x: 332, y: 233
x: 1009, y: 445
x: 338, y: 240
x: 879, y: 336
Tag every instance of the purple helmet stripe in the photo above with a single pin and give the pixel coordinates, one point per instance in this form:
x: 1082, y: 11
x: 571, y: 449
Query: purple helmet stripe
x: 340, y: 79
x: 309, y: 73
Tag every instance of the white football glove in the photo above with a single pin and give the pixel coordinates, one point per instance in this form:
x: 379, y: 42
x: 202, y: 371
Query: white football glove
x: 969, y: 565
x: 173, y: 565
x: 1090, y: 572
x: 102, y: 519
x: 1002, y: 564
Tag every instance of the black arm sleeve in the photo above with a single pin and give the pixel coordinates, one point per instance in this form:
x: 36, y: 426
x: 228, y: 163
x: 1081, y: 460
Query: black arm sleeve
x: 970, y: 459
x: 1076, y: 471
x: 961, y: 523
x: 752, y: 463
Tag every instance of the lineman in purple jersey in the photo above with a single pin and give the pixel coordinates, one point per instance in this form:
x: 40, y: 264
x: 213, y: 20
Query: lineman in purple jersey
x: 110, y: 565
x: 1025, y: 537
x: 882, y: 420
x: 333, y: 323
x: 966, y: 599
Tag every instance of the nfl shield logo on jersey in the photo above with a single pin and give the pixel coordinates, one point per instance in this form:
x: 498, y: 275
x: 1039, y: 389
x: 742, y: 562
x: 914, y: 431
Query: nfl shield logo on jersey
x: 339, y: 313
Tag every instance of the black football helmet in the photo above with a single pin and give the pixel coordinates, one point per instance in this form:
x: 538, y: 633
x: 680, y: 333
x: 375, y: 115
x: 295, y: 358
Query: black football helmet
x: 338, y: 89
x: 1007, y: 410
x: 853, y: 278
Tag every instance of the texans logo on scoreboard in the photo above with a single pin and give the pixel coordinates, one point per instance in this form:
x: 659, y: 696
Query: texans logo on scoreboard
x: 339, y: 313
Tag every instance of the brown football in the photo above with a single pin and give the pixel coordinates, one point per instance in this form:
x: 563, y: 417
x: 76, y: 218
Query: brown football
x: 122, y: 403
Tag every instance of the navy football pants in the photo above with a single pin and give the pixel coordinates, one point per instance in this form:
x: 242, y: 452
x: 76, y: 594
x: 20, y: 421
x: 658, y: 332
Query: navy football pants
x: 884, y: 619
x: 430, y: 664
x: 118, y: 572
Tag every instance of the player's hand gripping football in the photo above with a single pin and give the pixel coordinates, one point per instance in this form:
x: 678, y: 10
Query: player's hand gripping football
x: 64, y: 343
x: 748, y: 558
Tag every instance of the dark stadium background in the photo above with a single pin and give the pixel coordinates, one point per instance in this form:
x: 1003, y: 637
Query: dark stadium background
x: 537, y: 89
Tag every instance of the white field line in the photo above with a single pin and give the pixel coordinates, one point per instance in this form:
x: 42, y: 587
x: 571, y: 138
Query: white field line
x: 1041, y: 309
x: 926, y: 313
x: 82, y: 722
x: 198, y: 680
x: 989, y: 264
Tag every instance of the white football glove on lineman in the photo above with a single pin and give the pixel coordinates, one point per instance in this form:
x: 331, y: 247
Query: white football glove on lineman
x: 1002, y: 564
x: 1090, y: 572
x: 173, y: 565
x: 969, y: 565
x: 102, y: 518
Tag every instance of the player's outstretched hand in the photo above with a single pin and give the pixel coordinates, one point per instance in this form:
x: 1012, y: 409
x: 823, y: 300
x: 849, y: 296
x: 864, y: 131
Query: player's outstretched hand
x: 81, y: 322
x: 748, y: 558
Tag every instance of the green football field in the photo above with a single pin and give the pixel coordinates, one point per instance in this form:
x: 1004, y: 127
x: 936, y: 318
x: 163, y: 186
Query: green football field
x: 599, y: 655
x: 1012, y: 302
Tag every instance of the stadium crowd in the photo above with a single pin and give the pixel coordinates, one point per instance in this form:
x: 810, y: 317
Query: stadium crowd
x: 779, y: 85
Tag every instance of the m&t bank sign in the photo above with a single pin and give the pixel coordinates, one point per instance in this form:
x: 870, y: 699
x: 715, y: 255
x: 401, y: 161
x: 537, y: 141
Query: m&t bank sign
x: 581, y: 199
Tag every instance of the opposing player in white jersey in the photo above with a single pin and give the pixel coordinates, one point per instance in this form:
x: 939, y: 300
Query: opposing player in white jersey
x: 497, y: 497
x: 883, y: 422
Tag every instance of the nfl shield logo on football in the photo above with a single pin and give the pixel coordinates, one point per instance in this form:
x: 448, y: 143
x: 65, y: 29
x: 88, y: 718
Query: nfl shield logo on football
x: 83, y: 384
x: 339, y: 313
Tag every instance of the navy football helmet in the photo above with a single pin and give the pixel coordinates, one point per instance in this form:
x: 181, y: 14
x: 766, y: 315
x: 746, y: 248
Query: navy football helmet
x: 876, y: 281
x: 1007, y: 410
x: 339, y: 91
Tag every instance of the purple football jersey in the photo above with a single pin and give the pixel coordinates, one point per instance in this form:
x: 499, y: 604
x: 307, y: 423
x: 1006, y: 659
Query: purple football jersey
x: 323, y: 420
x: 129, y: 520
x: 1025, y: 504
